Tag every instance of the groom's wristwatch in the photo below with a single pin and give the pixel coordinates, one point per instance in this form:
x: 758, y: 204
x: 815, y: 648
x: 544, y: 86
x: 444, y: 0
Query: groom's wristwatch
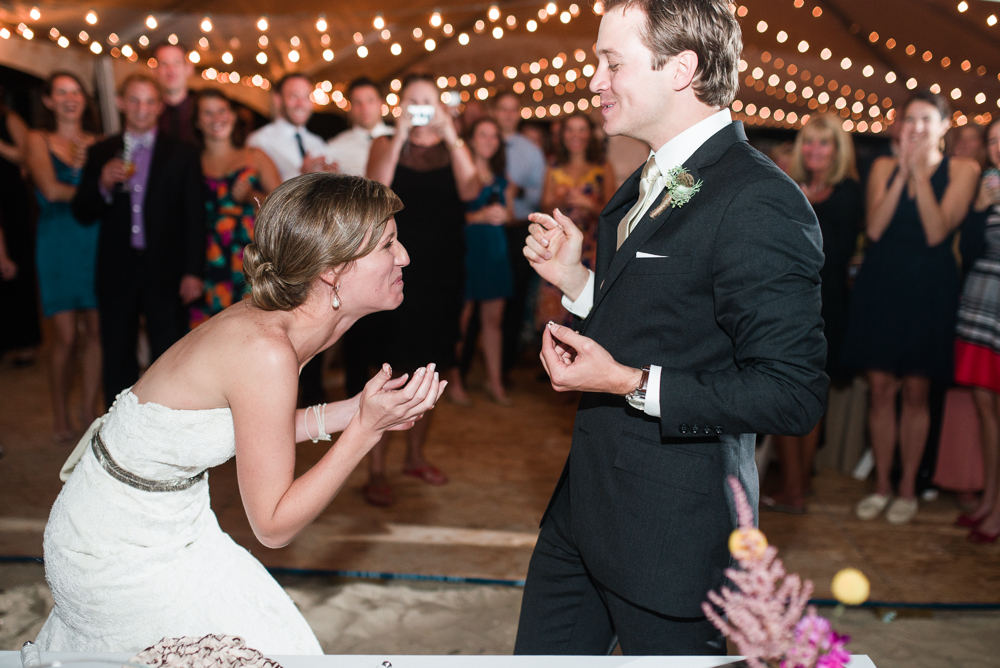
x: 637, y: 397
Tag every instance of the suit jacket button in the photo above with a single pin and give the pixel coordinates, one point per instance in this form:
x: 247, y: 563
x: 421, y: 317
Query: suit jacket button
x: 718, y: 430
x: 683, y: 429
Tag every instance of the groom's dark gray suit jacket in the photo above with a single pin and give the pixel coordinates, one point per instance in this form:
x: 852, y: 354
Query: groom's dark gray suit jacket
x: 731, y: 312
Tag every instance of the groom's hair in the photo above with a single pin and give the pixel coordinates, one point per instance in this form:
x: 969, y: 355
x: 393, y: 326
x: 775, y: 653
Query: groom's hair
x: 706, y: 27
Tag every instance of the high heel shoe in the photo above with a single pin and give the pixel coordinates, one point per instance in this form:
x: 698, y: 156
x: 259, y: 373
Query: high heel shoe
x: 981, y: 538
x: 966, y: 521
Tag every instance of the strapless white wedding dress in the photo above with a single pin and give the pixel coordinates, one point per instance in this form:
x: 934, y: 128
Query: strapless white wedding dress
x: 128, y: 567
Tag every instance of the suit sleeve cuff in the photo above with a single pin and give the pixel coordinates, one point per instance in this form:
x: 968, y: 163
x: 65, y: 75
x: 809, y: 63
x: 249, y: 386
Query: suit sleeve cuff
x: 652, y: 406
x: 581, y: 307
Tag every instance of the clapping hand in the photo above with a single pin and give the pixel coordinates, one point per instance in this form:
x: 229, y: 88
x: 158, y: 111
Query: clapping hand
x: 242, y: 188
x: 8, y: 268
x: 496, y: 214
x: 394, y: 404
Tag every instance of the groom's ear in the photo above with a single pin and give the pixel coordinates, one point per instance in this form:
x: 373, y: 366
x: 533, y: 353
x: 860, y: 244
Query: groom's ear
x: 685, y: 69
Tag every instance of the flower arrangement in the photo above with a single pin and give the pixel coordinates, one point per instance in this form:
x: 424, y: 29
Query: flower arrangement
x: 680, y: 187
x: 767, y: 612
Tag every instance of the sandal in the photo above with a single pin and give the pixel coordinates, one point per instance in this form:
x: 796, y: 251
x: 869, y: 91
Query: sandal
x: 429, y: 474
x: 378, y: 494
x: 771, y: 503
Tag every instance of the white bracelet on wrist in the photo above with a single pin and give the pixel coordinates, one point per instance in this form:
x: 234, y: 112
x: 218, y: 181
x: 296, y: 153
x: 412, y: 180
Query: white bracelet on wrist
x: 319, y: 411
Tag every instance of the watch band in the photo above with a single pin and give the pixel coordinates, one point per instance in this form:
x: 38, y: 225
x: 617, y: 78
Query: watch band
x: 637, y: 397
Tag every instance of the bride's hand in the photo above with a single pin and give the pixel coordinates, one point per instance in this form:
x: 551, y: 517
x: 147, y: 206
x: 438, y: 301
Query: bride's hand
x: 390, y: 404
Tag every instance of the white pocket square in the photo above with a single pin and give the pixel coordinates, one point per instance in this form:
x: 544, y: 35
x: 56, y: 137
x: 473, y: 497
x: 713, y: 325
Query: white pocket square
x: 639, y: 255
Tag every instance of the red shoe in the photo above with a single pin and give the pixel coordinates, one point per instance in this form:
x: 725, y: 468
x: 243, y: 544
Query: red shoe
x: 968, y: 522
x: 378, y: 494
x: 979, y: 538
x: 429, y: 474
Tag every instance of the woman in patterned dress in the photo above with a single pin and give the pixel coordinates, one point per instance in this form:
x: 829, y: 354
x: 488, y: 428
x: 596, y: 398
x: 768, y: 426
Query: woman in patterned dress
x: 237, y: 179
x: 579, y: 185
x: 977, y: 350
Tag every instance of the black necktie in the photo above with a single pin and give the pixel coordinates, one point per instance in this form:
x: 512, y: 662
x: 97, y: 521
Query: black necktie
x: 302, y: 148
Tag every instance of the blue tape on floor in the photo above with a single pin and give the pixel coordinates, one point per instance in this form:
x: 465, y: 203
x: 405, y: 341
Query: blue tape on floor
x: 453, y: 579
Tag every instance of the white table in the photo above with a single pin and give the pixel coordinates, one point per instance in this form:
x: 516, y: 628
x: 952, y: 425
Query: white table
x: 13, y: 660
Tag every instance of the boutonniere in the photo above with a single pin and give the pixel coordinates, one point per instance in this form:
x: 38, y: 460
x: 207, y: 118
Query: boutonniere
x: 680, y: 187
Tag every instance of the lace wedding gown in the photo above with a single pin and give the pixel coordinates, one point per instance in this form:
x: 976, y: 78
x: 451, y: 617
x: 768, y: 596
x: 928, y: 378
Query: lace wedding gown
x: 128, y: 567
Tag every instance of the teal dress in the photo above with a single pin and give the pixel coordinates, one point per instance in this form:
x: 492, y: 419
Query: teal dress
x: 66, y: 251
x: 487, y: 267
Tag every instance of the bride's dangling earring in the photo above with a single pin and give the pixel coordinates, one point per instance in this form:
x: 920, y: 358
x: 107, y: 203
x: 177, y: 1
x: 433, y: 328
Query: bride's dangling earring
x: 336, y: 297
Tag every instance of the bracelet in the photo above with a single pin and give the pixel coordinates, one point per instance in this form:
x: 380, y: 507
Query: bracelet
x: 319, y: 411
x: 458, y: 142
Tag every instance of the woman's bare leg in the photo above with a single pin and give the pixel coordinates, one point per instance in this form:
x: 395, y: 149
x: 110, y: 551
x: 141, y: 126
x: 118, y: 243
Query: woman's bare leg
x: 491, y: 317
x: 882, y: 426
x: 61, y: 372
x: 91, y: 366
x: 914, y: 423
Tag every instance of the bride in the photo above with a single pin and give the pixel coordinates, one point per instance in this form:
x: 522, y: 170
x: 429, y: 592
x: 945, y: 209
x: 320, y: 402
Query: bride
x: 133, y: 552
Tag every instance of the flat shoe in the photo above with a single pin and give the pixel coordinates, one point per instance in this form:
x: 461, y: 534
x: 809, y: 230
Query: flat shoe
x: 429, y: 474
x: 497, y: 399
x: 901, y: 511
x: 871, y: 506
x: 464, y: 402
x: 378, y: 494
x: 979, y: 538
x: 968, y: 522
x: 769, y: 503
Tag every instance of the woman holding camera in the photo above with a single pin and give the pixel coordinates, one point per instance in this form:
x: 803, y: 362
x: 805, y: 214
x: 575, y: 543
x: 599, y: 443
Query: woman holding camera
x: 428, y: 166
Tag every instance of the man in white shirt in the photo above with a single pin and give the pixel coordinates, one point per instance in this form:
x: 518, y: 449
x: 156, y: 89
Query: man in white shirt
x: 293, y: 149
x: 700, y: 327
x: 349, y: 149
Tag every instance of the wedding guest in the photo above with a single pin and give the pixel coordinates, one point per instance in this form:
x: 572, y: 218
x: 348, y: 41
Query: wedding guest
x: 133, y: 551
x: 977, y: 350
x: 173, y: 70
x: 822, y: 162
x: 431, y: 170
x: 20, y: 332
x: 967, y: 141
x: 579, y: 185
x: 901, y: 322
x: 236, y: 179
x: 488, y: 279
x: 349, y: 149
x: 294, y: 150
x: 66, y: 250
x: 526, y: 172
x: 145, y: 189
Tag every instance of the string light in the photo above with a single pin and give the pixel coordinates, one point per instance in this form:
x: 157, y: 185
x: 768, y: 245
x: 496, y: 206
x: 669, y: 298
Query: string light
x: 379, y: 22
x: 151, y: 22
x: 262, y: 23
x: 327, y: 55
x: 206, y: 24
x: 91, y: 17
x: 321, y: 24
x: 362, y: 51
x: 436, y: 20
x: 95, y: 48
x: 227, y: 58
x: 261, y: 58
x: 35, y: 15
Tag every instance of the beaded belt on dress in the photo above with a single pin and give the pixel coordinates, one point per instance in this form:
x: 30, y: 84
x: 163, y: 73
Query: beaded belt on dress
x: 131, y: 479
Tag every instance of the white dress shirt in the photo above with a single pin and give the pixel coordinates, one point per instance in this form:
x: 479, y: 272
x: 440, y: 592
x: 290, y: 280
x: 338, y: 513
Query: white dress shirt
x: 670, y: 155
x: 277, y: 139
x: 350, y: 148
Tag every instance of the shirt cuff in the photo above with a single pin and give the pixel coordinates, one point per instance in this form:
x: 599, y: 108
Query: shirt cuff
x: 581, y: 307
x: 652, y: 405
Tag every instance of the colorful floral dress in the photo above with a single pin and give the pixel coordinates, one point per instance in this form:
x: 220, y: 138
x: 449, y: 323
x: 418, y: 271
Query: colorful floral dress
x: 549, y: 296
x: 230, y: 229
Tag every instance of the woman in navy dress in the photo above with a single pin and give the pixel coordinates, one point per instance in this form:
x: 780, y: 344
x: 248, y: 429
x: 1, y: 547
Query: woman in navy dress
x: 488, y: 277
x: 66, y: 251
x: 902, y: 315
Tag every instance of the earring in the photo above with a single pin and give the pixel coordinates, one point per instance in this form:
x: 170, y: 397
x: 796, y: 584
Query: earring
x: 336, y: 297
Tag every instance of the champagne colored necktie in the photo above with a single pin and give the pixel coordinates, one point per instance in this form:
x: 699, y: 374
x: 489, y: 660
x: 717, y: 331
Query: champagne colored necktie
x: 650, y: 173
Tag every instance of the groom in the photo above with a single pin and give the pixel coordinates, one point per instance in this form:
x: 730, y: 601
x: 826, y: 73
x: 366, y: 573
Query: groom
x: 700, y: 327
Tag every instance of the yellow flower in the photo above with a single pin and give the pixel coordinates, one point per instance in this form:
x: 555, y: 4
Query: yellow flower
x: 747, y: 544
x: 850, y: 586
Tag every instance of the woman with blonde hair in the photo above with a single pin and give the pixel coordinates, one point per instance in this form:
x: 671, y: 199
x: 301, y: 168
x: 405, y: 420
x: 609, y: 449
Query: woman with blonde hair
x: 822, y: 163
x: 133, y: 552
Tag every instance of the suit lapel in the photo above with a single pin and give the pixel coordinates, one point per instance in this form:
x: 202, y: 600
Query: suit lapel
x: 608, y: 270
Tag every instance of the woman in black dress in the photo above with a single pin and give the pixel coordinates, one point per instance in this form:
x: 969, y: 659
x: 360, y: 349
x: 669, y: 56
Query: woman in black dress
x: 21, y: 331
x: 432, y: 172
x: 822, y: 163
x: 902, y: 315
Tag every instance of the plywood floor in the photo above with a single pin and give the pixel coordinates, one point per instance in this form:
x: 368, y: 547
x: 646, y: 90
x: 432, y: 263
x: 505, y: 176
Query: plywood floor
x: 503, y: 464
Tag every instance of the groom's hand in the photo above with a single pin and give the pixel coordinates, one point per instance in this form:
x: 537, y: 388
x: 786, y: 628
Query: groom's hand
x: 554, y: 249
x: 575, y: 362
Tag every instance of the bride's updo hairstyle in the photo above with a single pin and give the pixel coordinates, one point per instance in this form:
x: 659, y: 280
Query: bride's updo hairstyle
x: 308, y: 225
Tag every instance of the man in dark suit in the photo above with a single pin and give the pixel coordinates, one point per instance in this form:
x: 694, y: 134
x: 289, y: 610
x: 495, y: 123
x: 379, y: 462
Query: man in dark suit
x: 700, y: 327
x: 145, y: 189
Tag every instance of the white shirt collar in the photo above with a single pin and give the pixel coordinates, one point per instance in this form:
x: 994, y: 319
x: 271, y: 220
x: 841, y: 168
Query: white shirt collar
x: 683, y: 146
x: 282, y: 122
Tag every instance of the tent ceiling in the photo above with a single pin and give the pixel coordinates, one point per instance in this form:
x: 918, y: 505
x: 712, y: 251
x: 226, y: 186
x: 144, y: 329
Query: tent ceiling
x: 956, y: 50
